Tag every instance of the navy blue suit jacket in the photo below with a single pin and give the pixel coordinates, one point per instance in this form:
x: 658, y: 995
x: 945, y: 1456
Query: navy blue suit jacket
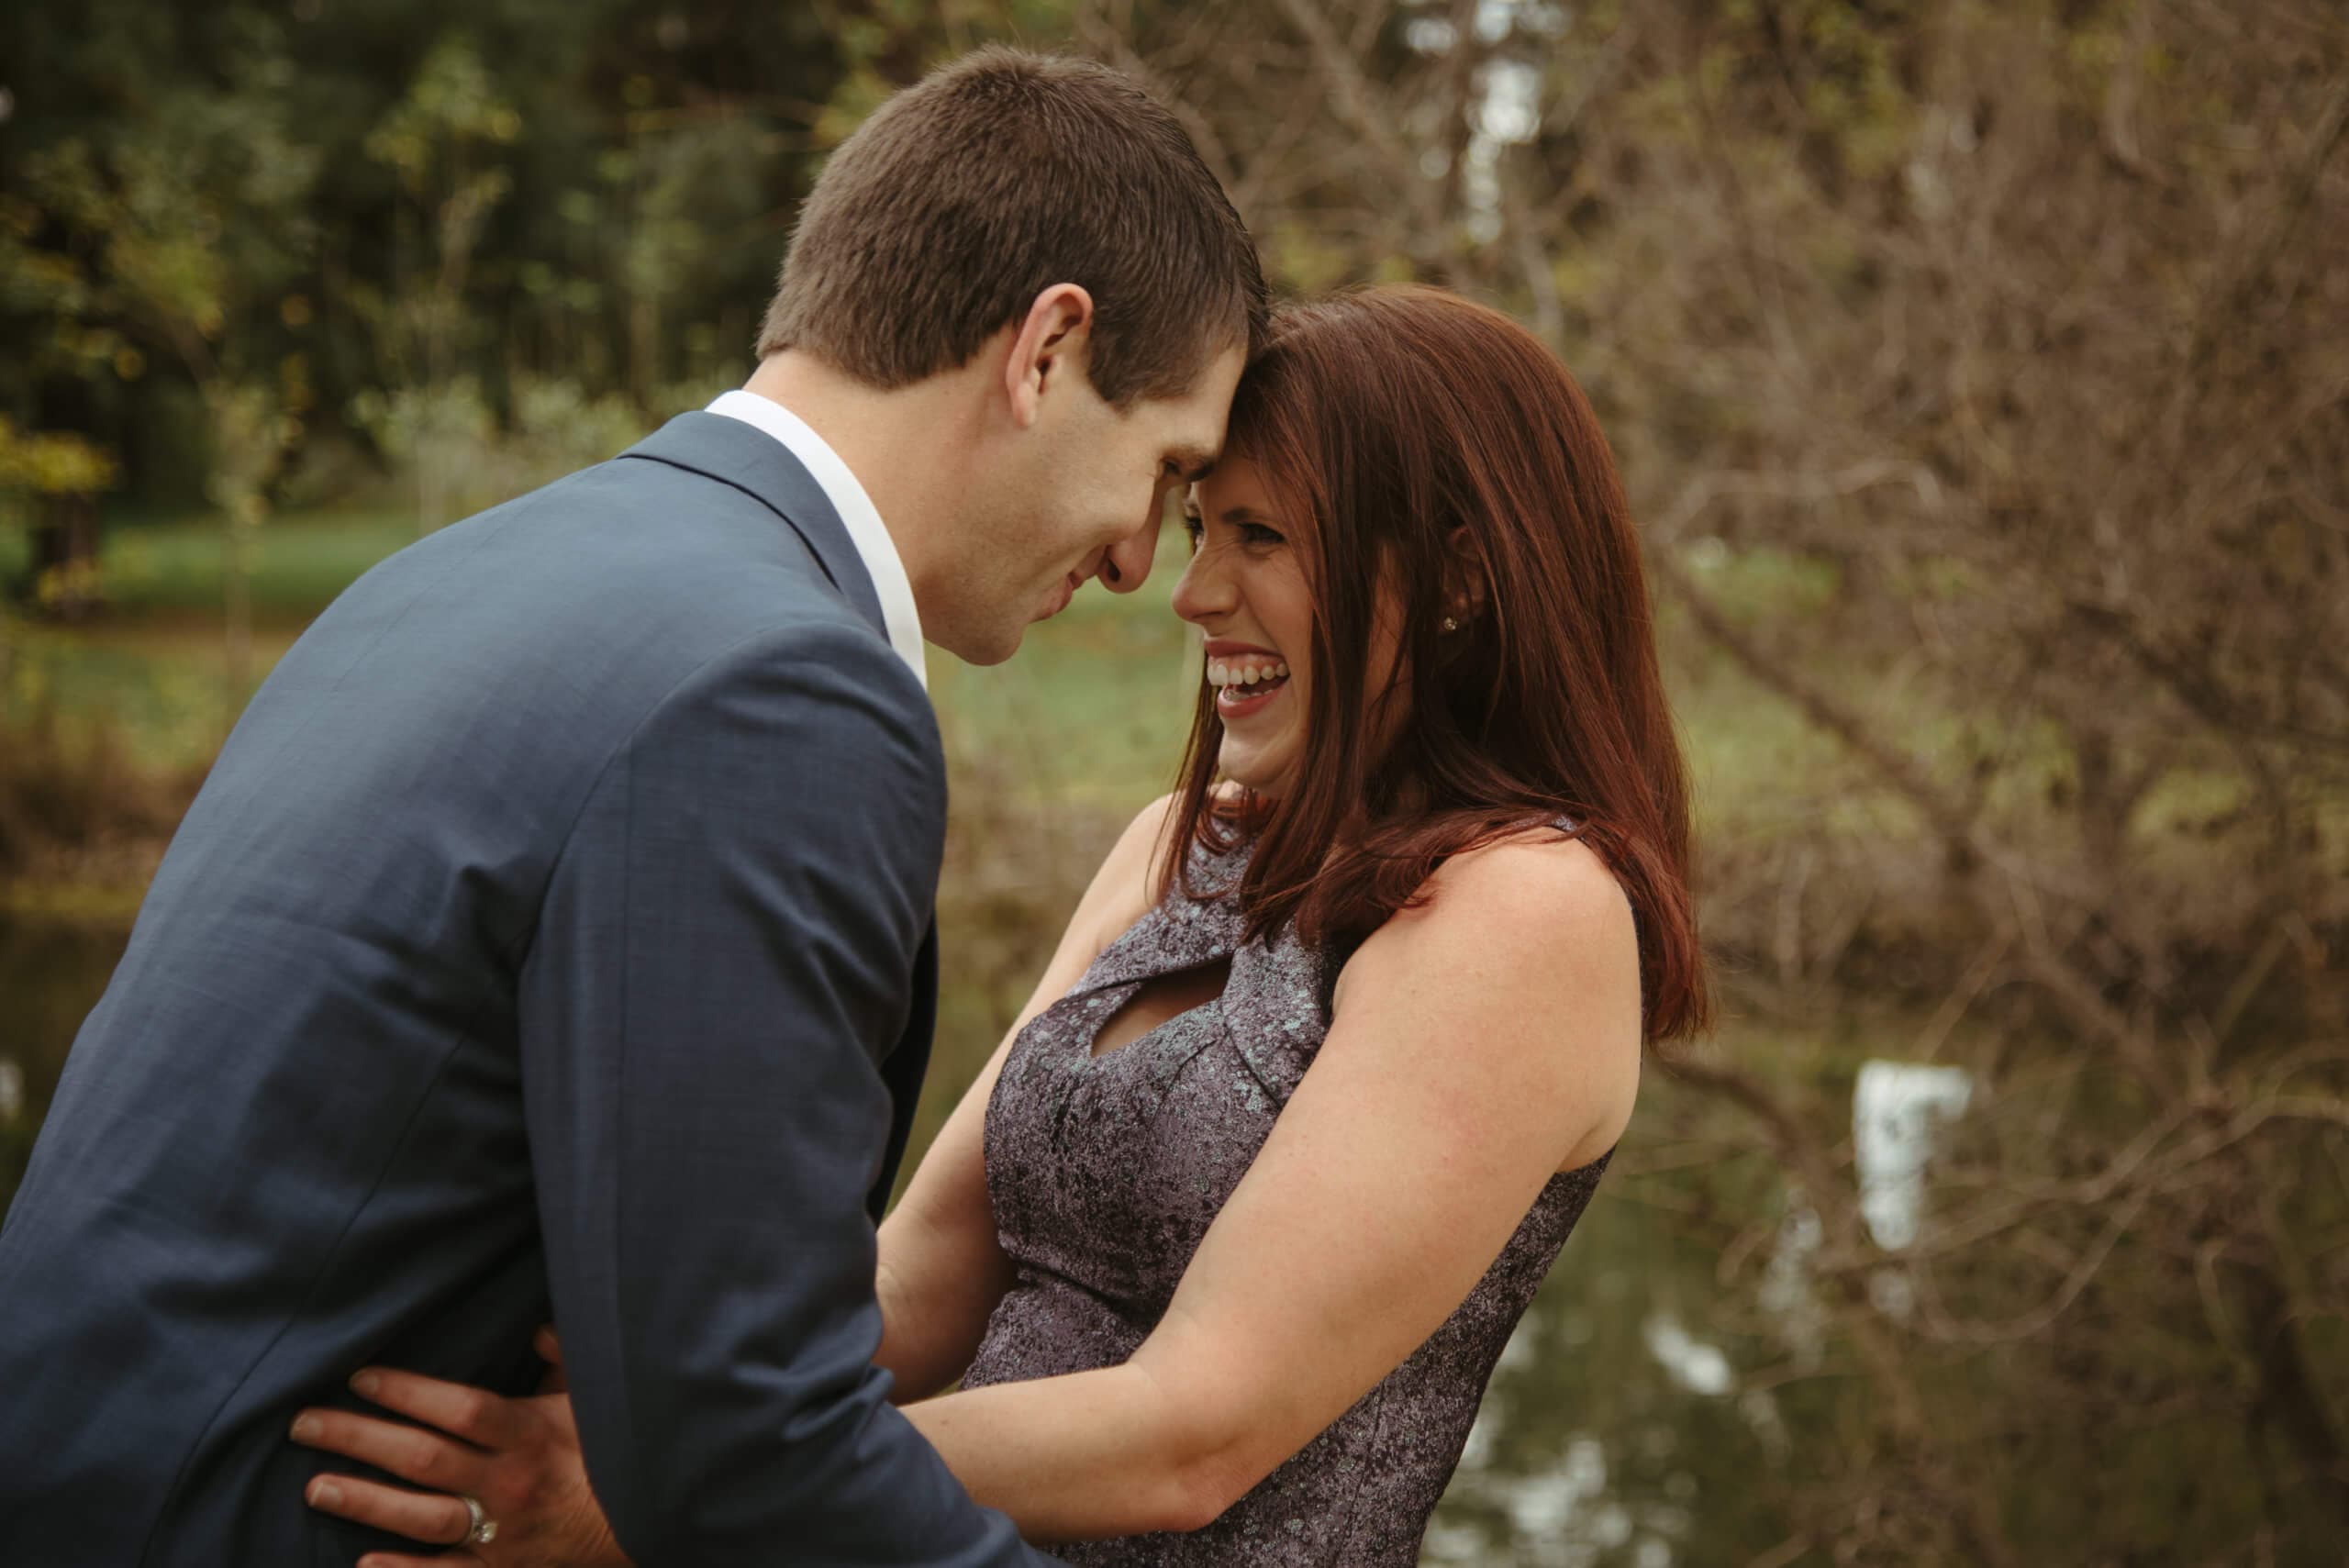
x: 551, y: 938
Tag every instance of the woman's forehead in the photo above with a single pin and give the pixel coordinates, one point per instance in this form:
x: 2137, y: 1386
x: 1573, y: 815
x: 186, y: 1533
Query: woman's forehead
x: 1237, y: 485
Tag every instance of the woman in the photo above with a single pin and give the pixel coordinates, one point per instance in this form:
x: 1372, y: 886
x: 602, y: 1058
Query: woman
x: 1224, y: 1242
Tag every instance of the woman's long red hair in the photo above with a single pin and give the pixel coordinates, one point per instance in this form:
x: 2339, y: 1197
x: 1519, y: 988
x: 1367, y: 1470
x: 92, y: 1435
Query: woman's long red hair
x: 1421, y: 444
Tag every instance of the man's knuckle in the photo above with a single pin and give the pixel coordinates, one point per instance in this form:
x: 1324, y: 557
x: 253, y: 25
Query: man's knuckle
x: 473, y: 1411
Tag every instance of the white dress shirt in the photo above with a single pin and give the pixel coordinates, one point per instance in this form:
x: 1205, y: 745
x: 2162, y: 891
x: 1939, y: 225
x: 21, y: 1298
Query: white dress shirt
x: 865, y: 529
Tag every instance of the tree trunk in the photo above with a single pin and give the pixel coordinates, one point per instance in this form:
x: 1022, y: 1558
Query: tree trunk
x: 66, y: 557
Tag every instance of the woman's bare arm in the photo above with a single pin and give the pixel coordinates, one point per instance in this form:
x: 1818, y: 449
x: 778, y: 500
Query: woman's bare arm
x: 941, y: 1271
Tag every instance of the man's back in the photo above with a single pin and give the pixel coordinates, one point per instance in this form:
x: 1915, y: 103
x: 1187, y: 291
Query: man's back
x: 291, y: 1138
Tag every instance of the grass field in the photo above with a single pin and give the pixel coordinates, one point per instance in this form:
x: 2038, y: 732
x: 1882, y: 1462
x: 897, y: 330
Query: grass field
x: 1090, y: 716
x: 170, y: 564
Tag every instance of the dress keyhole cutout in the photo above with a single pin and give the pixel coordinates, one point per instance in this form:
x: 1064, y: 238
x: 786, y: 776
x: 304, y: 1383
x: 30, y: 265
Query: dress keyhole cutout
x: 1161, y: 998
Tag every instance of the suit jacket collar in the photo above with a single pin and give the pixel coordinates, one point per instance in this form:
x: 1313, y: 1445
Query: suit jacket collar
x: 760, y: 467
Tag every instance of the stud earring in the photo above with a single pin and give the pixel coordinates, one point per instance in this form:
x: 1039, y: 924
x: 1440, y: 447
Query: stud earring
x: 1451, y: 625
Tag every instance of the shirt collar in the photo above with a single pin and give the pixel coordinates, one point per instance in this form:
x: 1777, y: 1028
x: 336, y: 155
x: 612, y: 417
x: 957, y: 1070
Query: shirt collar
x: 858, y: 514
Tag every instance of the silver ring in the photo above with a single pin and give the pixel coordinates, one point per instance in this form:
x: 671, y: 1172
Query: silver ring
x: 482, y: 1529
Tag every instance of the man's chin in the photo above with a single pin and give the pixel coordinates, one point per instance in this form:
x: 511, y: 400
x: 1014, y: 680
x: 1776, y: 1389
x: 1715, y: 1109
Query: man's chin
x: 1003, y: 640
x: 1057, y: 600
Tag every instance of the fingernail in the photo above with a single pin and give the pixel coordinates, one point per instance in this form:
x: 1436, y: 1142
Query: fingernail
x: 327, y: 1494
x: 364, y: 1385
x: 304, y: 1427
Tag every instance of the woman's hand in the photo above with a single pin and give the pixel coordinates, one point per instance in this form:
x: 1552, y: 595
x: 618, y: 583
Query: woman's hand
x: 518, y: 1458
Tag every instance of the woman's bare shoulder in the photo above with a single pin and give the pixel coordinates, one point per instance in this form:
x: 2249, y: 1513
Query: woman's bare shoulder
x: 1134, y: 874
x: 1143, y: 863
x: 1536, y: 876
x: 1517, y: 948
x: 1529, y: 890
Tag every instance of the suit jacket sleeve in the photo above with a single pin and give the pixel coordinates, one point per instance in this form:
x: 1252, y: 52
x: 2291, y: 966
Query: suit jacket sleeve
x: 722, y: 961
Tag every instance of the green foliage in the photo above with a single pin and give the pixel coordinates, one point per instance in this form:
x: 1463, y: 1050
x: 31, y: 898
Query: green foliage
x: 134, y: 233
x: 47, y: 463
x: 452, y: 108
x: 402, y: 219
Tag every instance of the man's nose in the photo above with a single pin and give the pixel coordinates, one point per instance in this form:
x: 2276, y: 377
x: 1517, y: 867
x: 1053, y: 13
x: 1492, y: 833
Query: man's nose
x: 1125, y: 566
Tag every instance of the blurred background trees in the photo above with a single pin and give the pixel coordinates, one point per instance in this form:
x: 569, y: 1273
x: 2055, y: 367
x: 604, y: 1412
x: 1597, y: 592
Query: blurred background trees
x: 1980, y: 373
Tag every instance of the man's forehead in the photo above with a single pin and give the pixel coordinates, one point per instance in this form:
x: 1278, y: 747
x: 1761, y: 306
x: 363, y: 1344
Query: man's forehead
x: 1193, y: 462
x: 1195, y: 421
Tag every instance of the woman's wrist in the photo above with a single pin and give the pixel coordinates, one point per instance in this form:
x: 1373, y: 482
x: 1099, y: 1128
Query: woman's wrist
x: 901, y: 1353
x: 1083, y: 1456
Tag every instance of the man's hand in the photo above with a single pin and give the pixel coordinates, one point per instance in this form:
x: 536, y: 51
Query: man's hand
x: 519, y: 1459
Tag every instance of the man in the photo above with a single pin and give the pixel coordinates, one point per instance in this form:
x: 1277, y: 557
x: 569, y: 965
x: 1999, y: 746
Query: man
x: 552, y: 938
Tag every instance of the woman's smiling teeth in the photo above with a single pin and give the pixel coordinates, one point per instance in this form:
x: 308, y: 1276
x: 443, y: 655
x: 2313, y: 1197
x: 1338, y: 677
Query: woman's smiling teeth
x: 1237, y: 673
x: 1244, y: 682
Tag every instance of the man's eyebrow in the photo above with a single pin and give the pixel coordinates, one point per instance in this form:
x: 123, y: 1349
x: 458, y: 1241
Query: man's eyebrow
x: 1193, y: 463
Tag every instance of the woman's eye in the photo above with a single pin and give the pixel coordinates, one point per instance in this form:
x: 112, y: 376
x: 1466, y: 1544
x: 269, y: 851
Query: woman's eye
x: 1194, y: 527
x: 1257, y: 533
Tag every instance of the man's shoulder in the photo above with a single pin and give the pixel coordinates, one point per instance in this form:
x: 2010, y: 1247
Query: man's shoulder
x: 625, y: 561
x: 544, y: 632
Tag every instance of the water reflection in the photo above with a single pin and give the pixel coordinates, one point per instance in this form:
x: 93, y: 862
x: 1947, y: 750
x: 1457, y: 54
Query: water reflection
x: 1698, y: 1367
x: 1636, y: 1420
x: 1786, y: 1292
x: 1898, y: 1109
x: 51, y: 974
x: 1613, y: 1435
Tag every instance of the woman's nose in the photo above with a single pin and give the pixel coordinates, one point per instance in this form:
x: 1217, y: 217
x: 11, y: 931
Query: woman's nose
x: 1205, y: 590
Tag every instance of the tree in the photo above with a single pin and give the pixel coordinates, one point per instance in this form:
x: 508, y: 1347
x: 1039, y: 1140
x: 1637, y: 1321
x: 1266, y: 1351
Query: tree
x: 51, y: 483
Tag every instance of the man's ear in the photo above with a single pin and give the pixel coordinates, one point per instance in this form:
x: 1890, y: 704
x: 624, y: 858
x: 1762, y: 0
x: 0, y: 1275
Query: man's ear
x: 1049, y: 346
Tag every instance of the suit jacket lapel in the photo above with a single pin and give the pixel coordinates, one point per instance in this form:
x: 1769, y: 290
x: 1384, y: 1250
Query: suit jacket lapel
x: 763, y: 468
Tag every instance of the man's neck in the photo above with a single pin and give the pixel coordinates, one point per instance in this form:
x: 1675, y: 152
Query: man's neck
x: 897, y: 441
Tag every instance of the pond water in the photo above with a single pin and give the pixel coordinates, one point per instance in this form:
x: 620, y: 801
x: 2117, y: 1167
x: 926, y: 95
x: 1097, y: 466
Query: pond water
x: 1623, y: 1428
x: 51, y: 975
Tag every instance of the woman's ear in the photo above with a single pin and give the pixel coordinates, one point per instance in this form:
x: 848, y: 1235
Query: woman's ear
x: 1464, y: 577
x: 1049, y: 344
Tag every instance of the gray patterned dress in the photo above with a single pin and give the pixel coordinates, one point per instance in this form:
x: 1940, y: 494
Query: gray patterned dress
x: 1105, y: 1173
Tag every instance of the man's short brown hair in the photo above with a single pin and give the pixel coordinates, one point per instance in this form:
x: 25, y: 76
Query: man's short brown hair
x: 964, y: 196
